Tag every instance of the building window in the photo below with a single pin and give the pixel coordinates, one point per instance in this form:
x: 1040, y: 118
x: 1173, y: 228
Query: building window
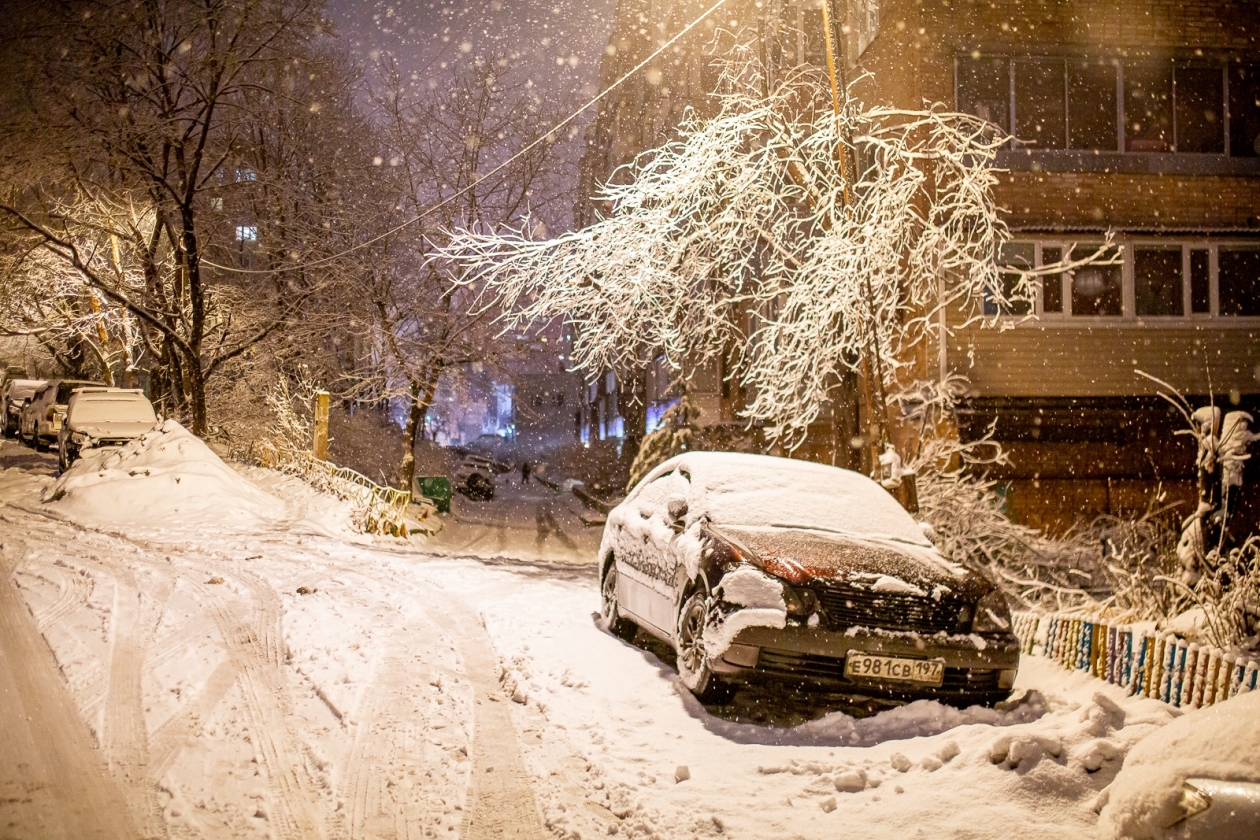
x: 1091, y: 93
x: 1082, y: 103
x: 1157, y: 281
x: 1040, y: 103
x: 1016, y: 255
x: 1097, y: 289
x: 247, y: 233
x: 1239, y: 281
x: 1140, y: 279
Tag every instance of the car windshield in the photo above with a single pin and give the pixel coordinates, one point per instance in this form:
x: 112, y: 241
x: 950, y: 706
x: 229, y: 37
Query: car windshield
x: 113, y: 409
x: 758, y: 490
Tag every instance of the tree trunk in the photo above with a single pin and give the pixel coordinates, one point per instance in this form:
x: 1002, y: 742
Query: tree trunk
x: 632, y: 403
x: 420, y: 396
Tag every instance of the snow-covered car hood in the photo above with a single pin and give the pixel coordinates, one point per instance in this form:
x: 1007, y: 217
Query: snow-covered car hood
x: 112, y: 431
x: 800, y: 555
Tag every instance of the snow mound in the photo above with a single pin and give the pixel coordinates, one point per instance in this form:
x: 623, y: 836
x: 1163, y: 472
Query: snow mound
x: 1219, y: 742
x: 165, y: 478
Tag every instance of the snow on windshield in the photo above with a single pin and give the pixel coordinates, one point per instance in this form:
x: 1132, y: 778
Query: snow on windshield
x: 738, y: 489
x: 113, y: 410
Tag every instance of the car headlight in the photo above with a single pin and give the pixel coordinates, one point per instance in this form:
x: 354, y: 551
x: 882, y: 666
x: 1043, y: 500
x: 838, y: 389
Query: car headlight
x: 800, y: 603
x: 993, y: 614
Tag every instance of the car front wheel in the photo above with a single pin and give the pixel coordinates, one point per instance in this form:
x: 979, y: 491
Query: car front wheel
x: 693, y: 659
x: 622, y: 628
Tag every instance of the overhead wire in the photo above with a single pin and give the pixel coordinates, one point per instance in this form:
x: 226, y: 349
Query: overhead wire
x: 544, y: 138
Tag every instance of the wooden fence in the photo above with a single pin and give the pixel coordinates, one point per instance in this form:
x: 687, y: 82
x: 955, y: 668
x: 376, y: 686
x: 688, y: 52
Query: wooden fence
x: 1162, y: 666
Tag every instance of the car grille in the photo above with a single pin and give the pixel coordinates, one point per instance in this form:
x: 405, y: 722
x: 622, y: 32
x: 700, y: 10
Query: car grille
x: 788, y: 663
x: 846, y: 606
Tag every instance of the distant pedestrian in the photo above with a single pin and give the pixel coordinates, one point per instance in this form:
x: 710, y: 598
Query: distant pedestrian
x: 524, y: 473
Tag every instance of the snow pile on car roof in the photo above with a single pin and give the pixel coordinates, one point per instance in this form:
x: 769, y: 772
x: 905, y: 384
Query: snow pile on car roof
x: 166, y: 478
x: 740, y: 489
x: 1219, y: 742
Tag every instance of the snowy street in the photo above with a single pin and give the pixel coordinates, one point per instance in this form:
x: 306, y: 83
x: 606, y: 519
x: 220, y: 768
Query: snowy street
x: 293, y: 679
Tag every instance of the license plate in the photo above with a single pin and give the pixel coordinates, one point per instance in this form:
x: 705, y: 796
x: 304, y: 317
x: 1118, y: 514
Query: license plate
x: 863, y: 666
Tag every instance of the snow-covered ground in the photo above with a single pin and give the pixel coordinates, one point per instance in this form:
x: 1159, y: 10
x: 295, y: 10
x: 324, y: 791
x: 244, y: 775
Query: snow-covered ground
x: 275, y: 675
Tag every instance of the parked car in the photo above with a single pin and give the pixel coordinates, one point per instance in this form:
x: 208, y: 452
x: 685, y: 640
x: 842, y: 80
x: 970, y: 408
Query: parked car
x: 16, y: 392
x: 757, y: 567
x: 1197, y: 778
x: 102, y: 417
x: 48, y: 409
x: 26, y: 417
x: 474, y: 479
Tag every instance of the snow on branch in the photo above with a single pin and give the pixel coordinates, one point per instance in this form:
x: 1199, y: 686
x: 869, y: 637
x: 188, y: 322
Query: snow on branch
x: 744, y: 232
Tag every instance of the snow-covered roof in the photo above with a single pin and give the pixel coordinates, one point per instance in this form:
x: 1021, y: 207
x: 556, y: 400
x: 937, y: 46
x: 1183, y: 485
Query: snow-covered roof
x: 738, y: 488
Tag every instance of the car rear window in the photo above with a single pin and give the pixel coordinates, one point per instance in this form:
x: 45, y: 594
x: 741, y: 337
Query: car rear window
x: 113, y: 409
x: 66, y: 389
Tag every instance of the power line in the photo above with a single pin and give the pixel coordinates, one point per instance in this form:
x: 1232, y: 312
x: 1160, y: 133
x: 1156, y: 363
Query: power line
x: 542, y: 139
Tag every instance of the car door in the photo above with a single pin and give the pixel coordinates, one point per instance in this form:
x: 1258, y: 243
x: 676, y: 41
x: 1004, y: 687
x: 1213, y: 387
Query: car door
x: 646, y: 554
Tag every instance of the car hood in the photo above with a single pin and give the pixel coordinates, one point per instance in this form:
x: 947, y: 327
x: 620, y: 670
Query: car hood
x: 101, y: 430
x: 801, y: 556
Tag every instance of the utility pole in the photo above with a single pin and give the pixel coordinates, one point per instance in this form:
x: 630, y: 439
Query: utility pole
x: 875, y: 414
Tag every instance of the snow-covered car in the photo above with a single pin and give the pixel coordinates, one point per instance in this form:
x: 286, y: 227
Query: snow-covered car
x: 102, y: 417
x: 16, y: 393
x: 759, y: 567
x: 48, y: 409
x: 1198, y: 778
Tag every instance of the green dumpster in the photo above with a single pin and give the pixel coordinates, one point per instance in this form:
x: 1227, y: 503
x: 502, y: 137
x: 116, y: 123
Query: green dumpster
x: 436, y: 488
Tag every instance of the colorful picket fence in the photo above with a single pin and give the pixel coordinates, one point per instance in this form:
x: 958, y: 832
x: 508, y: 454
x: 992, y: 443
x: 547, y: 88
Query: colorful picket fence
x: 1162, y: 666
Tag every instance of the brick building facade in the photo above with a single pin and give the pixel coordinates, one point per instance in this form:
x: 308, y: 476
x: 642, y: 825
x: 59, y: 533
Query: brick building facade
x: 1134, y: 119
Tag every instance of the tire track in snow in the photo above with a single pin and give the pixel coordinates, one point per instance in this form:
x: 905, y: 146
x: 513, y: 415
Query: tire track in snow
x: 170, y: 737
x: 383, y: 799
x: 501, y: 804
x: 73, y: 590
x: 254, y: 648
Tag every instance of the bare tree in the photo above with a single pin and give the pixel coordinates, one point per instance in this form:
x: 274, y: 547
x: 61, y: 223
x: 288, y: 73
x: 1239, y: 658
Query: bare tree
x: 150, y: 108
x: 439, y: 143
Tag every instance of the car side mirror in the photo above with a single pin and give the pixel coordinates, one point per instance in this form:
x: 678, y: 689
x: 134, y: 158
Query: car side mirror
x: 677, y: 509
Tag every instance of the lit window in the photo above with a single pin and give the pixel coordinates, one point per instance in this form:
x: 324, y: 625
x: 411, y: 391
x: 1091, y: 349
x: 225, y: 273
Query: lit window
x: 247, y: 233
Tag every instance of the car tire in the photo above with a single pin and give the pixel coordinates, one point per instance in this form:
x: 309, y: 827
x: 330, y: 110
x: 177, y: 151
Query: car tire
x: 622, y: 628
x: 693, y: 659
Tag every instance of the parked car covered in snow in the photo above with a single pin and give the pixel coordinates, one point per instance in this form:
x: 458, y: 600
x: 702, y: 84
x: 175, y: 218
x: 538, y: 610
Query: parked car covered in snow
x: 48, y: 409
x: 759, y: 567
x: 102, y: 417
x: 16, y: 393
x: 1197, y: 778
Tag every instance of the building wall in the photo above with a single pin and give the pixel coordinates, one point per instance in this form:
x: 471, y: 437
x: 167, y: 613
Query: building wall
x: 1086, y: 469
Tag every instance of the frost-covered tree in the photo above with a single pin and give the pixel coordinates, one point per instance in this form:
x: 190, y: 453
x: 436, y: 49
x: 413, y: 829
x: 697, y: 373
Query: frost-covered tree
x: 747, y: 231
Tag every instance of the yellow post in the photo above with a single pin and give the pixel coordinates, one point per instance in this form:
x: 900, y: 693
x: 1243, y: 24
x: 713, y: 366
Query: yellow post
x: 319, y: 436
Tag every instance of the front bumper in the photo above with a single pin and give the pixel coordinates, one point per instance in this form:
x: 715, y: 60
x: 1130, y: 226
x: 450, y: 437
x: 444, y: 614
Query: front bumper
x: 814, y: 658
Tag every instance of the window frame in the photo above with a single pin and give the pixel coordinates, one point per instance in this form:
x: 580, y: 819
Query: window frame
x: 1011, y: 59
x: 1129, y: 317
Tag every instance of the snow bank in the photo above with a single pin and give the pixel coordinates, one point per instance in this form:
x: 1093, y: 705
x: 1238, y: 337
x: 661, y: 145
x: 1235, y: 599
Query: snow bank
x: 166, y: 477
x: 1219, y: 742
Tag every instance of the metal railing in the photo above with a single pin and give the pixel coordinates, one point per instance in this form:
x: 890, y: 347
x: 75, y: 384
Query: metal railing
x: 1159, y: 665
x: 375, y: 509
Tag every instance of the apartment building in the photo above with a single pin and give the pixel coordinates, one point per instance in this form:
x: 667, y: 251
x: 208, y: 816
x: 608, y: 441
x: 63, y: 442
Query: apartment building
x: 1137, y: 127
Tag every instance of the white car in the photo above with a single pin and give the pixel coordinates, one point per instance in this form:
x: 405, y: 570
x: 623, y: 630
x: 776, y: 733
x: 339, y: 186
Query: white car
x: 48, y: 409
x: 102, y: 417
x: 761, y: 568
